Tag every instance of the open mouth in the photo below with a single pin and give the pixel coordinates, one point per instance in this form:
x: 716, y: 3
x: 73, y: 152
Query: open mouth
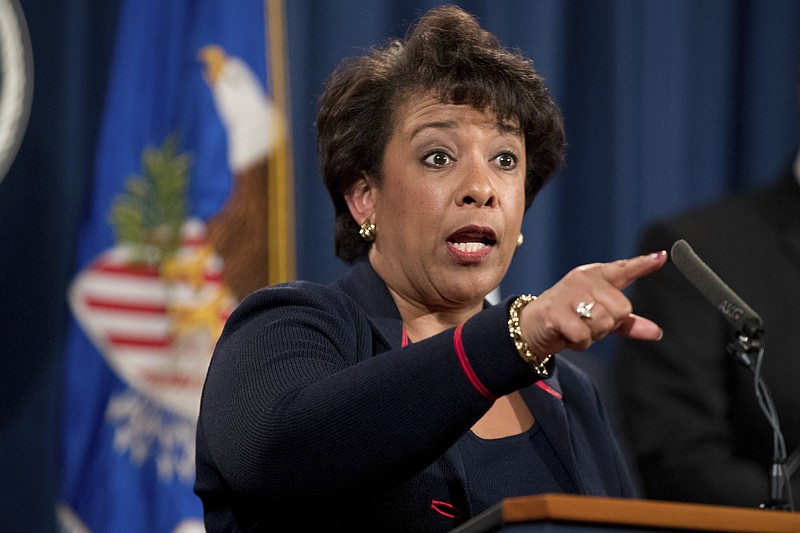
x: 472, y: 239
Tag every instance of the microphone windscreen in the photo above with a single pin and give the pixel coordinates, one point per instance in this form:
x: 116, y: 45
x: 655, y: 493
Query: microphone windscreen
x: 716, y: 291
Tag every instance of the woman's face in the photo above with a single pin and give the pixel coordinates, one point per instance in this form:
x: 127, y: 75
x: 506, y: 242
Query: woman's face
x: 449, y: 207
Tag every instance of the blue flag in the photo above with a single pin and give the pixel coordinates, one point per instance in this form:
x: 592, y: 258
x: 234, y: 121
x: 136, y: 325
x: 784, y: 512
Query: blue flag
x: 181, y: 226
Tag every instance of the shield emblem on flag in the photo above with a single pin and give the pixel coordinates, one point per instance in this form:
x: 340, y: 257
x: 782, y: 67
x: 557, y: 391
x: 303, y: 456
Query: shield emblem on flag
x: 156, y: 325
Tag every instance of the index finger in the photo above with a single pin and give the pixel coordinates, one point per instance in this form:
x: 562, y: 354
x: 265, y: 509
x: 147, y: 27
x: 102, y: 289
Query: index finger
x: 623, y: 272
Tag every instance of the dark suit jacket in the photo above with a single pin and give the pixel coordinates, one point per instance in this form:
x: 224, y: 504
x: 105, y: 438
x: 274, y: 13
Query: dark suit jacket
x: 313, y: 413
x: 688, y: 408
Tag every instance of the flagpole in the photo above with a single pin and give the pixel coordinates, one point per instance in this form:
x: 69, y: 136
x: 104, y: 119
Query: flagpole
x: 281, y: 260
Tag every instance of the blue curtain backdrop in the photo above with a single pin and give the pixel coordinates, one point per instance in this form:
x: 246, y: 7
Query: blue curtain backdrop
x: 667, y: 105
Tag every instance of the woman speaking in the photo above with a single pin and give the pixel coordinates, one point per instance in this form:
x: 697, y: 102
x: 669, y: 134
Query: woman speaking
x: 398, y: 399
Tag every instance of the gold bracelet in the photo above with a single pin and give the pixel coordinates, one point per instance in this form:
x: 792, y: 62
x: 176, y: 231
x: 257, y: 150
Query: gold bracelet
x: 536, y: 363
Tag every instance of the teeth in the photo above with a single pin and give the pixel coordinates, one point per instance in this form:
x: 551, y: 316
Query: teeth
x: 468, y: 247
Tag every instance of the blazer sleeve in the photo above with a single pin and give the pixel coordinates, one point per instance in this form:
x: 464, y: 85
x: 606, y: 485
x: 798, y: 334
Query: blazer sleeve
x: 304, y: 400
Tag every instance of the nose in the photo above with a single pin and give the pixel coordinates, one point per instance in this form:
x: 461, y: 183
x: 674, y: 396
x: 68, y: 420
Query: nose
x: 477, y: 187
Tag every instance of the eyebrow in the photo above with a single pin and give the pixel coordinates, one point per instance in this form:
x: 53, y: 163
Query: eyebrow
x: 439, y: 124
x: 509, y: 127
x: 503, y: 127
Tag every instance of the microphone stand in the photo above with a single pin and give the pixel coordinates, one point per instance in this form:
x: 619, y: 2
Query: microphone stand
x: 748, y: 348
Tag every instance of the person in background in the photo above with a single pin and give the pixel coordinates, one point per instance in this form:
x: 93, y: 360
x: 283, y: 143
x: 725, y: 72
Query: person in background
x: 688, y: 408
x: 398, y: 399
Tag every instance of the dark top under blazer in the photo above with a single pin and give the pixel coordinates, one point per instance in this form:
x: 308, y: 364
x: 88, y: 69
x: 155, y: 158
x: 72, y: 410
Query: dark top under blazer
x: 313, y: 413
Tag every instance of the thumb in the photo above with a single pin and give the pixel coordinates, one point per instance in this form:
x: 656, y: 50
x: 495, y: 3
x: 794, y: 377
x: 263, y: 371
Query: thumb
x: 637, y: 327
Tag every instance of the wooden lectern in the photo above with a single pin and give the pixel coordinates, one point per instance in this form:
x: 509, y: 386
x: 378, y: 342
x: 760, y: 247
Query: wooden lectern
x: 562, y: 513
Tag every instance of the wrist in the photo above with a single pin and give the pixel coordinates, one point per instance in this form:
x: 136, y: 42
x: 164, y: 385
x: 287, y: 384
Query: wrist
x: 541, y: 365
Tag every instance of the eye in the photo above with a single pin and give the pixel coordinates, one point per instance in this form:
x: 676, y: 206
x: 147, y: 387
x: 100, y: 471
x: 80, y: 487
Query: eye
x: 437, y: 159
x: 507, y: 161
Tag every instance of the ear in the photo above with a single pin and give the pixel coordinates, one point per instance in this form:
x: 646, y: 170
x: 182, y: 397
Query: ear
x: 360, y: 199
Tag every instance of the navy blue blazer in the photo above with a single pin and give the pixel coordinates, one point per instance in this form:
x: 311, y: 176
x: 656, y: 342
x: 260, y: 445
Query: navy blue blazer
x: 314, y: 414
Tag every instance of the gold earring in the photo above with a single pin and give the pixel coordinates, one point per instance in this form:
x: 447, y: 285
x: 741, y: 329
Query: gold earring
x: 520, y: 240
x: 367, y: 230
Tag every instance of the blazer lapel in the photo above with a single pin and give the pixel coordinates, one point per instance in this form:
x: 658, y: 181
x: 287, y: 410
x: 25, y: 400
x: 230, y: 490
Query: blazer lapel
x: 791, y: 243
x: 544, y: 399
x: 364, y: 286
x: 779, y: 208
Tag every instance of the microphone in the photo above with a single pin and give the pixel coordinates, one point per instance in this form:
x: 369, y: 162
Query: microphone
x: 727, y: 302
x: 749, y: 329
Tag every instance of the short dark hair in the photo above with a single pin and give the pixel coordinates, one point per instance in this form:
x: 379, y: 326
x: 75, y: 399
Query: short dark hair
x: 448, y: 54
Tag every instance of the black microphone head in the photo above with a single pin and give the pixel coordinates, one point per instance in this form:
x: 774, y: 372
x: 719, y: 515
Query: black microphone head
x: 727, y: 302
